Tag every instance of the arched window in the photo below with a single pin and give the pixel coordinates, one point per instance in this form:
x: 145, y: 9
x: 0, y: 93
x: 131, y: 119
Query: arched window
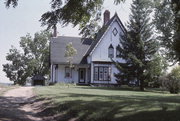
x: 118, y: 51
x: 111, y: 51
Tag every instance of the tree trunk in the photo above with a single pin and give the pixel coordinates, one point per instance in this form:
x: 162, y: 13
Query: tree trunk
x: 141, y: 85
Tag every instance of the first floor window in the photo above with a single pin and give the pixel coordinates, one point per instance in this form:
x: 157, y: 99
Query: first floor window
x: 67, y: 72
x: 106, y: 73
x: 95, y: 73
x: 102, y: 73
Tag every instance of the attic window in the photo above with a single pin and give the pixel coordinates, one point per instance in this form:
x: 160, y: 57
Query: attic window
x: 118, y: 51
x: 111, y: 51
x: 115, y: 31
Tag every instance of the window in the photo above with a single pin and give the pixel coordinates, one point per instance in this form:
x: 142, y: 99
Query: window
x: 102, y: 73
x: 111, y: 51
x: 67, y: 72
x: 96, y: 73
x: 117, y: 51
x: 106, y: 73
x: 101, y: 77
x: 115, y: 31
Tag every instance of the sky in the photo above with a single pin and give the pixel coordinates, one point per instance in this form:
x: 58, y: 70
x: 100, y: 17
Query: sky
x: 17, y: 22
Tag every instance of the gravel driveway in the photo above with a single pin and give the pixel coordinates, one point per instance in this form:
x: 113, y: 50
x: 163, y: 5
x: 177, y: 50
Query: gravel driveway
x: 17, y: 105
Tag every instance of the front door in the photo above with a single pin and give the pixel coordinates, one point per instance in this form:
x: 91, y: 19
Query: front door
x: 82, y: 75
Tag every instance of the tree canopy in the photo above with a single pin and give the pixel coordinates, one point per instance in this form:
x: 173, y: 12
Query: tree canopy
x: 167, y: 22
x: 69, y: 53
x: 85, y: 13
x: 33, y: 60
x: 138, y: 45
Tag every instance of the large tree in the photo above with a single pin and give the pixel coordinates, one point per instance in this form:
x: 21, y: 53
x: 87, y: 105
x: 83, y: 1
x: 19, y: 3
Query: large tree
x: 32, y: 60
x: 16, y: 70
x: 138, y: 45
x: 176, y: 9
x: 165, y: 29
x: 85, y: 13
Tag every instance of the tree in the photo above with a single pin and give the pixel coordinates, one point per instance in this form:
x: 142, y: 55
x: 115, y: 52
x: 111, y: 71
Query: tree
x: 164, y: 23
x: 172, y: 81
x: 138, y: 45
x: 69, y: 53
x: 17, y: 70
x: 175, y: 4
x: 33, y: 59
x: 156, y: 69
x: 85, y: 13
x: 167, y: 21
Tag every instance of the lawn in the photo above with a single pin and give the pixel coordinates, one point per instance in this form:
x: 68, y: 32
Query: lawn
x: 83, y: 103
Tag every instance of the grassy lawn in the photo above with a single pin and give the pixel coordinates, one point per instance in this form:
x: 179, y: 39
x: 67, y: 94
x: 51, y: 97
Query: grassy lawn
x: 83, y: 103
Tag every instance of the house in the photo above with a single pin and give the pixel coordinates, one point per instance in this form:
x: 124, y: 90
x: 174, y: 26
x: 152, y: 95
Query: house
x: 93, y: 61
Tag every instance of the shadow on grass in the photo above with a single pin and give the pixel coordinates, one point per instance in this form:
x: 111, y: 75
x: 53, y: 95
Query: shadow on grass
x: 10, y: 109
x: 122, y: 88
x: 111, y: 108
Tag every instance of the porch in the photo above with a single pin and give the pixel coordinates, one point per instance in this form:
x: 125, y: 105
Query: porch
x: 79, y: 74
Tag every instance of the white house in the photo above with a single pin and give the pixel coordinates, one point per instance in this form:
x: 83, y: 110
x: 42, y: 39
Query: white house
x: 92, y: 63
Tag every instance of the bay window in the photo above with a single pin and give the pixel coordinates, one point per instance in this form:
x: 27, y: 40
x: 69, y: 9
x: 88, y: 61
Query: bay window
x: 102, y: 73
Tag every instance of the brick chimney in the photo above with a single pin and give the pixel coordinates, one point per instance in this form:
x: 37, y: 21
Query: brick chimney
x: 54, y: 31
x: 106, y: 16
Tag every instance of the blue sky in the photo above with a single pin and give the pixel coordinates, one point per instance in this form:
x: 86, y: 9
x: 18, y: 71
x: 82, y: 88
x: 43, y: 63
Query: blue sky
x: 17, y: 22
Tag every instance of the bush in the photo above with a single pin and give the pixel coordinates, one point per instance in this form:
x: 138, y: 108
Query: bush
x: 172, y: 81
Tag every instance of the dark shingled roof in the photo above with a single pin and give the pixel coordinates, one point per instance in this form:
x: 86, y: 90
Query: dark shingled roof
x: 58, y: 47
x: 38, y: 77
x: 83, y: 47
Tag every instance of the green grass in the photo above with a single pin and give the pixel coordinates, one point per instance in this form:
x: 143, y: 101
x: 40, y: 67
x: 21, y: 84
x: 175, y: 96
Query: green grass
x: 83, y: 103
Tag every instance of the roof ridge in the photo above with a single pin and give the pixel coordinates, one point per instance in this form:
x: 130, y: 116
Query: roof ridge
x: 94, y: 43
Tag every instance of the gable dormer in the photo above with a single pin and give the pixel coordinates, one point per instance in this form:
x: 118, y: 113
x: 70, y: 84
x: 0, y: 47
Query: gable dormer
x: 108, y: 35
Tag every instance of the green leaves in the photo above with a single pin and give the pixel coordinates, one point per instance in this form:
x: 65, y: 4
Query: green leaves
x: 139, y: 45
x: 85, y: 13
x: 8, y: 3
x: 34, y: 58
x: 69, y: 53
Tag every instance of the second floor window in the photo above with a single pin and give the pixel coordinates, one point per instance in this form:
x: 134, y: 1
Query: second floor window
x: 111, y: 51
x: 118, y: 51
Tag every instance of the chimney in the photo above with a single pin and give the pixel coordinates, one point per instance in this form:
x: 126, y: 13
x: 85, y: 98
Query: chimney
x: 106, y: 16
x: 54, y: 31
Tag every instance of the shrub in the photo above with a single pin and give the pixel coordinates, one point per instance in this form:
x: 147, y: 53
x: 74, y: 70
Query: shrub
x: 172, y: 81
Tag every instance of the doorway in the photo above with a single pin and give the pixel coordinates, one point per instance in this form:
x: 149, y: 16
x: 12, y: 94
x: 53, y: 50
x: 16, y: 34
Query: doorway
x: 82, y: 75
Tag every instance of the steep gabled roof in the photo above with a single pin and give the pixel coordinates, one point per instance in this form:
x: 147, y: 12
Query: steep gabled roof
x: 84, y: 47
x: 103, y: 30
x: 58, y: 47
